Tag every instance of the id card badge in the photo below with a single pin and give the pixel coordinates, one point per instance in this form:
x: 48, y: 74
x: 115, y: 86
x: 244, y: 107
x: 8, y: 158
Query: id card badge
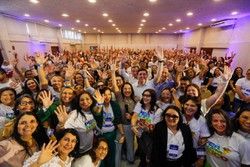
x: 173, y: 151
x: 201, y: 153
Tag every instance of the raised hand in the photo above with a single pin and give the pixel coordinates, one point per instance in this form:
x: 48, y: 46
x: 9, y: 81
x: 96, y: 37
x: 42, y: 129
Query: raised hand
x: 48, y: 152
x: 70, y: 72
x: 62, y: 114
x: 227, y: 74
x: 98, y: 97
x: 40, y: 58
x: 46, y: 98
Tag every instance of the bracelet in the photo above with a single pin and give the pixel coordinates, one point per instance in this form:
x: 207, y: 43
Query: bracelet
x: 99, y: 104
x: 66, y: 80
x: 39, y: 65
x: 84, y: 77
x: 160, y: 61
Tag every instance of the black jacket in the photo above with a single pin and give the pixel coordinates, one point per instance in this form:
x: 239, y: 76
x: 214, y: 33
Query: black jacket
x: 159, y: 151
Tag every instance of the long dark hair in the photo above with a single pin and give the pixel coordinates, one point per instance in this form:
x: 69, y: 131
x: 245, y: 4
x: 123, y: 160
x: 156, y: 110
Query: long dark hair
x: 18, y: 101
x: 132, y: 96
x: 229, y: 130
x: 153, y: 105
x: 39, y: 134
x: 6, y: 89
x: 27, y: 90
x: 235, y: 120
x: 75, y: 152
x: 197, y: 102
x: 194, y: 85
x: 95, y: 146
x: 79, y: 109
x: 180, y: 123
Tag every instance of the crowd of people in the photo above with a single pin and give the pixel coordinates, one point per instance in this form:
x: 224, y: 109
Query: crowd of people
x: 94, y: 108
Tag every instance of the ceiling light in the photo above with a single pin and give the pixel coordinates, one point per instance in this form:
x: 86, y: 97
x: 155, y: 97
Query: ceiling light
x: 200, y: 24
x: 113, y: 25
x: 111, y: 21
x: 26, y: 15
x: 60, y: 25
x: 72, y: 28
x: 79, y: 30
x: 78, y: 21
x: 178, y: 20
x: 163, y: 28
x: 94, y: 28
x: 170, y: 24
x: 156, y: 32
x: 152, y: 0
x: 92, y: 1
x: 99, y: 30
x: 117, y: 28
x: 84, y: 32
x: 187, y: 28
x: 141, y: 24
x: 34, y: 1
x: 175, y: 32
x: 139, y: 28
x: 86, y: 25
x: 105, y: 14
x: 234, y: 13
x: 189, y: 14
x: 159, y: 30
x: 146, y: 14
x: 213, y: 20
x: 143, y: 21
x: 46, y: 21
x: 180, y: 30
x: 65, y: 15
x: 102, y: 32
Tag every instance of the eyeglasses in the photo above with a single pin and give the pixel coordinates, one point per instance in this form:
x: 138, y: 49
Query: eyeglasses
x: 25, y: 103
x: 172, y: 116
x: 103, y: 149
x: 146, y: 95
x: 68, y: 140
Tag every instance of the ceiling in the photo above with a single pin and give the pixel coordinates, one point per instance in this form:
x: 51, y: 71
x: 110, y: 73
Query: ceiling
x: 127, y: 15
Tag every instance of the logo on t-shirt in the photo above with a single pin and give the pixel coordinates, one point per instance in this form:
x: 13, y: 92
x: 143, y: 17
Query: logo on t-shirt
x: 217, y: 151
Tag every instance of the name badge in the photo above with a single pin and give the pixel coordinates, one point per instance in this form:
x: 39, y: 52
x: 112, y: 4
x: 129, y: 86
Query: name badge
x: 200, y: 153
x: 173, y: 151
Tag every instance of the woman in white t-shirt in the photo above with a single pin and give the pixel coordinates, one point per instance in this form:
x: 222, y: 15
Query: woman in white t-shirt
x: 95, y: 156
x: 225, y: 147
x: 216, y: 80
x: 146, y: 115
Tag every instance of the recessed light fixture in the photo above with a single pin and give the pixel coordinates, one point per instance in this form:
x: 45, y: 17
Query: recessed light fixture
x: 152, y: 0
x: 105, y: 14
x: 99, y: 30
x: 84, y: 32
x: 60, y: 25
x: 26, y: 15
x: 86, y: 25
x: 213, y: 19
x: 175, y: 32
x: 156, y: 32
x: 113, y: 25
x: 163, y: 28
x: 72, y: 28
x: 187, y: 28
x: 189, y: 14
x: 34, y: 1
x: 92, y: 1
x: 139, y: 28
x: 78, y: 21
x: 178, y: 20
x: 159, y: 30
x: 117, y: 28
x: 143, y: 21
x: 200, y: 24
x: 180, y: 30
x: 234, y: 13
x: 111, y: 21
x: 146, y: 14
x: 170, y: 24
x: 141, y: 25
x: 65, y: 15
x: 46, y: 21
x: 94, y: 28
x: 79, y: 30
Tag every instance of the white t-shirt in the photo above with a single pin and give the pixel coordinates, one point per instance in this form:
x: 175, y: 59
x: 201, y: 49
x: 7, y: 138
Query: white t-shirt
x: 224, y: 151
x: 54, y: 162
x: 245, y: 87
x: 216, y: 81
x: 198, y: 128
x: 6, y: 114
x: 54, y: 94
x: 175, y: 145
x: 196, y: 80
x: 108, y: 119
x: 150, y: 118
x: 85, y: 161
x: 140, y: 89
x: 163, y: 105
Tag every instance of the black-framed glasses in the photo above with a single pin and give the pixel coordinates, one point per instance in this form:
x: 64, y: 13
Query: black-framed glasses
x: 172, y: 116
x: 25, y: 103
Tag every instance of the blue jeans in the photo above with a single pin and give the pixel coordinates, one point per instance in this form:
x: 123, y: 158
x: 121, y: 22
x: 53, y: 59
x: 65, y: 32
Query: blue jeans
x: 129, y: 139
x: 239, y: 104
